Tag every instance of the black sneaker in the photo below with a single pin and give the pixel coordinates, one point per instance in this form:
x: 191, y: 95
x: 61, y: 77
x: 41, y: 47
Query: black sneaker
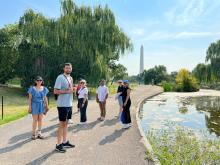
x: 60, y: 148
x: 68, y: 145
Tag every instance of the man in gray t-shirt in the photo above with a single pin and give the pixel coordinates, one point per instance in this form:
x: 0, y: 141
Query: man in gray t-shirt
x: 63, y: 83
x: 64, y: 89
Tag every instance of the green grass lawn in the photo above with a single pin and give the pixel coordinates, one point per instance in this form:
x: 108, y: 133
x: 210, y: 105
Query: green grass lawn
x: 15, y: 103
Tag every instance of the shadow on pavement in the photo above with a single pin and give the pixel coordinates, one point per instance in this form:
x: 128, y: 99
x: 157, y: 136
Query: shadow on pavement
x: 84, y: 127
x: 77, y: 128
x: 110, y: 122
x: 41, y: 159
x: 54, y: 119
x: 26, y: 135
x: 111, y: 138
x: 13, y: 147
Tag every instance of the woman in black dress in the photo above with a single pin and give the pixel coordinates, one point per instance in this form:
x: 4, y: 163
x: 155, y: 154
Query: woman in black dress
x: 126, y: 117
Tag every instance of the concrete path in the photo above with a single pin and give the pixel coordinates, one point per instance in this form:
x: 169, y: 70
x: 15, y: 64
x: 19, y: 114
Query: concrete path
x: 97, y: 143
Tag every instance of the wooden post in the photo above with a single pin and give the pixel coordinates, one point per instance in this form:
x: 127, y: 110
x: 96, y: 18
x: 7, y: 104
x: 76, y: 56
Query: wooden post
x: 2, y: 108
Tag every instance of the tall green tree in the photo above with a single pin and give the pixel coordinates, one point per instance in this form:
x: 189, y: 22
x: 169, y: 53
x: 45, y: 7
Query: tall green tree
x: 213, y: 56
x: 87, y: 37
x: 155, y: 75
x: 8, y: 53
x: 118, y: 71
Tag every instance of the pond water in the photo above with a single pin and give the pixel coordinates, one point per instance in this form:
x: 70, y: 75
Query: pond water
x: 201, y: 113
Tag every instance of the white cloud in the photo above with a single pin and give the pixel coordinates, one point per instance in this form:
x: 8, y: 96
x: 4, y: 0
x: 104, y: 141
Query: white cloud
x: 178, y: 36
x: 183, y: 35
x: 188, y: 12
x: 137, y: 32
x: 184, y: 12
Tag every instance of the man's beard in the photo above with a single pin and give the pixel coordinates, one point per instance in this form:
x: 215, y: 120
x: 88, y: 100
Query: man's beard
x: 68, y: 73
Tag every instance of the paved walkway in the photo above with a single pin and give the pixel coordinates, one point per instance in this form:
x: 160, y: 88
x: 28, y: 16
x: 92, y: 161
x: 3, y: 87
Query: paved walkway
x: 97, y: 143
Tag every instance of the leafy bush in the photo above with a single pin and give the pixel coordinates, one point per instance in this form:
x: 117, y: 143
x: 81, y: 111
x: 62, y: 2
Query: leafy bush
x: 185, y: 82
x: 213, y: 85
x: 183, y: 147
x: 167, y: 87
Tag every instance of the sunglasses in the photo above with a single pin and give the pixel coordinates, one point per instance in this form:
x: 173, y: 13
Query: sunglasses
x: 39, y: 80
x: 82, y: 83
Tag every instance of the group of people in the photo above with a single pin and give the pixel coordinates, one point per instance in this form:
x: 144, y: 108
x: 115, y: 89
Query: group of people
x: 64, y: 90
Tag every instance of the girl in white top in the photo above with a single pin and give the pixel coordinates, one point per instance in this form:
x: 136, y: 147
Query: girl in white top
x: 83, y: 101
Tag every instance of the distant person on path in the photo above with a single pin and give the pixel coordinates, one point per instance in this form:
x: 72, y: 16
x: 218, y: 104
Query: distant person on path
x: 126, y: 117
x: 83, y: 101
x: 101, y: 97
x: 119, y: 96
x: 77, y: 94
x: 38, y: 105
x: 64, y: 89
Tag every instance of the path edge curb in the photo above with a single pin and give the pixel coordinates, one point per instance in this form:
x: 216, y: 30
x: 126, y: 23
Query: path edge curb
x: 144, y: 139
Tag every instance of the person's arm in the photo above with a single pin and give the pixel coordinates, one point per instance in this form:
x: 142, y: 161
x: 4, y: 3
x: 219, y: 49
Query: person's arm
x: 60, y: 92
x: 97, y: 96
x: 85, y: 97
x: 106, y: 96
x: 29, y: 102
x: 107, y: 92
x: 57, y: 88
x: 75, y: 90
x: 128, y: 96
x: 46, y: 104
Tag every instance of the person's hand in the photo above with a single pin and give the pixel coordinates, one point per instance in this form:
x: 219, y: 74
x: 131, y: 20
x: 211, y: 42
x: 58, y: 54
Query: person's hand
x: 83, y: 105
x: 74, y: 89
x: 46, y: 110
x: 125, y: 103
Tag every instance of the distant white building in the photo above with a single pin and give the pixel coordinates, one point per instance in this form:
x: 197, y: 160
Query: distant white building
x: 142, y: 59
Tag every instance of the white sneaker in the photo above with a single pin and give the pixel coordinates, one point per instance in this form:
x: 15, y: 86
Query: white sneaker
x: 82, y: 123
x: 70, y: 121
x: 125, y: 126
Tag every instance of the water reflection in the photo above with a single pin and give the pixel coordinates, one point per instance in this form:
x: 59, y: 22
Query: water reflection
x: 201, y: 114
x: 210, y: 106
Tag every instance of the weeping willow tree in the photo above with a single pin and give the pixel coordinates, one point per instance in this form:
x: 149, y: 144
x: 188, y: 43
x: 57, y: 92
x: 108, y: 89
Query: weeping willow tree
x: 213, y: 56
x: 8, y: 53
x: 87, y: 37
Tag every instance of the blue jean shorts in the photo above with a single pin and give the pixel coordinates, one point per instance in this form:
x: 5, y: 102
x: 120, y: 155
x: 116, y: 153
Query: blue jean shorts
x: 37, y: 108
x: 120, y: 101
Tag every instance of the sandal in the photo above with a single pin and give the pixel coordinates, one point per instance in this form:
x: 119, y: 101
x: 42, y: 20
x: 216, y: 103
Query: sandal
x: 33, y: 137
x: 39, y: 136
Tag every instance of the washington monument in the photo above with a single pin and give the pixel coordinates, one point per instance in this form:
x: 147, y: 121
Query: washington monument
x: 142, y: 60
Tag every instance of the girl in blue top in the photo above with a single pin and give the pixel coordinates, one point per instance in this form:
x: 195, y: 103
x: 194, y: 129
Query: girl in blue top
x: 38, y: 105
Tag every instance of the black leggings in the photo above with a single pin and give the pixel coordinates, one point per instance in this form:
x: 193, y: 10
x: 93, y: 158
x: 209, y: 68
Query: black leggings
x: 83, y: 117
x: 126, y: 110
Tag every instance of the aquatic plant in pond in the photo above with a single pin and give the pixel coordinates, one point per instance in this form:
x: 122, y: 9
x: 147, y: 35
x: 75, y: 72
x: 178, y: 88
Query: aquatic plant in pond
x: 201, y: 114
x: 183, y: 147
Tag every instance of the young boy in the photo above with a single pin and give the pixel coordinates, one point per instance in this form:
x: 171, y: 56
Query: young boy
x: 101, y: 97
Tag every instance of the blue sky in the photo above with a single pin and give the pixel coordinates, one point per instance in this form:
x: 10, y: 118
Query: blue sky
x: 174, y: 33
